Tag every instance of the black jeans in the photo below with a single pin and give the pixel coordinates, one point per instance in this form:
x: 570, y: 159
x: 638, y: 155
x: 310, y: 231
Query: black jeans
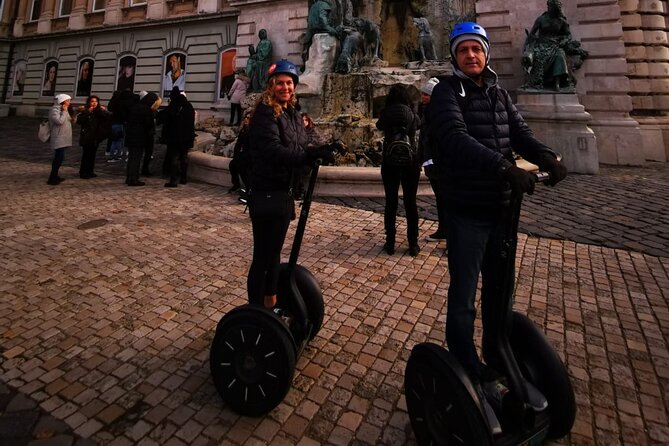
x: 474, y: 246
x: 148, y: 153
x: 134, y: 161
x: 408, y: 177
x: 235, y: 108
x: 177, y: 163
x: 58, y: 157
x: 269, y: 233
x: 441, y: 207
x: 86, y: 168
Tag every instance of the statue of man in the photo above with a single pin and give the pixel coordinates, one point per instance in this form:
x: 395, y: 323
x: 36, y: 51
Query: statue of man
x: 260, y: 59
x: 546, y: 49
x: 318, y: 21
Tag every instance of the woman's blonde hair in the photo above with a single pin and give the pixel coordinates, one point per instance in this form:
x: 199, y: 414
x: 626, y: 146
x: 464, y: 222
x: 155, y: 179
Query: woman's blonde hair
x: 267, y: 98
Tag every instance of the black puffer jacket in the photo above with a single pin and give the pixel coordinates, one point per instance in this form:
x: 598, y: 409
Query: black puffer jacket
x: 473, y: 130
x: 396, y: 116
x: 178, y: 121
x: 93, y: 125
x: 276, y: 146
x: 140, y: 126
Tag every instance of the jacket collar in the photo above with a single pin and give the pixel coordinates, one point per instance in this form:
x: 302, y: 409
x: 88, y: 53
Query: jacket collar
x: 490, y: 78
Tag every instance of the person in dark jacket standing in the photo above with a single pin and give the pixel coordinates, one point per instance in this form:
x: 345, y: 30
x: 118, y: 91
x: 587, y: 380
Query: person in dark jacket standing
x: 277, y: 146
x: 148, y: 150
x: 398, y: 117
x: 239, y: 164
x: 474, y: 126
x: 178, y: 121
x: 93, y: 121
x: 140, y: 128
x: 119, y: 105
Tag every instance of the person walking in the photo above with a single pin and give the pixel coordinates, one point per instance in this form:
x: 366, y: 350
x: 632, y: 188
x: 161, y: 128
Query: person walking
x: 236, y: 95
x: 473, y: 126
x: 178, y: 121
x: 93, y: 121
x: 277, y: 145
x: 60, y: 121
x: 140, y: 128
x: 398, y: 120
x: 427, y: 155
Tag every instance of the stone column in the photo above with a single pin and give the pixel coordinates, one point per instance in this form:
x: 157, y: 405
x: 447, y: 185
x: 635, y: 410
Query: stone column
x: 44, y: 24
x: 77, y: 18
x: 561, y: 122
x: 113, y: 13
x: 647, y: 53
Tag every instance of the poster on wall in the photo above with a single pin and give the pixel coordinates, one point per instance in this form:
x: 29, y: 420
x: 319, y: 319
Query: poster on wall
x: 85, y: 78
x: 50, y: 77
x: 174, y: 73
x: 227, y: 74
x: 19, y: 78
x: 126, y: 73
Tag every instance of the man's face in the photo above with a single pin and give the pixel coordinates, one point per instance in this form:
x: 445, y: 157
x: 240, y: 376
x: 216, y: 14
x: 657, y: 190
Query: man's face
x: 424, y: 98
x: 283, y: 88
x: 470, y: 58
x: 174, y: 63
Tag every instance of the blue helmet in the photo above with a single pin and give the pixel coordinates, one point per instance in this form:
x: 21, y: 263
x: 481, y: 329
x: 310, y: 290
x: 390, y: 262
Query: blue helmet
x: 468, y: 31
x: 284, y: 66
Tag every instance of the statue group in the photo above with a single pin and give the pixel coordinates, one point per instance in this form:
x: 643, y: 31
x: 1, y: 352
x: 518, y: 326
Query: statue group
x: 260, y: 59
x: 550, y: 54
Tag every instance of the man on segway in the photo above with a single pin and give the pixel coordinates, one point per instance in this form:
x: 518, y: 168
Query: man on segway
x: 475, y: 128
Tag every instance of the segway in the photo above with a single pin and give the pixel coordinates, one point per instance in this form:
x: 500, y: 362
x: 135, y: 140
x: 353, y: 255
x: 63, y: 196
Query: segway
x: 253, y: 354
x: 444, y: 406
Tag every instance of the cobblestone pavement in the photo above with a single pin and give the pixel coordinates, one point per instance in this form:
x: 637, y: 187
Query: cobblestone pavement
x: 110, y: 296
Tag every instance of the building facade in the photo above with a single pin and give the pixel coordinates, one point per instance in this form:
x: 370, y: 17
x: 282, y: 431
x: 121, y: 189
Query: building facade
x: 82, y: 47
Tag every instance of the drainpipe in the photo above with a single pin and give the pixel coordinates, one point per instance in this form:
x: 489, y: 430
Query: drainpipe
x: 10, y: 56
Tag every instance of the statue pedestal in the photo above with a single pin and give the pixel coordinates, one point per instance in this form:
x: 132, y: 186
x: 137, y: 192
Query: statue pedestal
x: 561, y: 122
x: 321, y: 61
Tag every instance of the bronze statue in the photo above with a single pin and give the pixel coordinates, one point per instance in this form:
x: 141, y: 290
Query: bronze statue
x: 550, y: 54
x: 260, y: 59
x: 318, y: 21
x: 425, y: 40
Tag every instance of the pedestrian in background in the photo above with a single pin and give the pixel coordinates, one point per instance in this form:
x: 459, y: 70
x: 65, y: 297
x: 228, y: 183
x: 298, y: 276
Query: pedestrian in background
x: 236, y: 95
x: 178, y: 121
x: 119, y: 105
x: 60, y: 122
x: 396, y: 118
x: 93, y: 119
x: 240, y: 164
x: 148, y: 150
x: 140, y: 130
x: 428, y: 156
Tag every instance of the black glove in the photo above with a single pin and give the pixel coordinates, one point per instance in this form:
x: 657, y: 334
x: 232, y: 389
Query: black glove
x: 520, y: 180
x: 557, y: 170
x: 324, y: 154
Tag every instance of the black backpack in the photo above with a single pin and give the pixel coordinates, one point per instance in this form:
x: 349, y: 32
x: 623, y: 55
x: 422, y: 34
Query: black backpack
x: 398, y: 150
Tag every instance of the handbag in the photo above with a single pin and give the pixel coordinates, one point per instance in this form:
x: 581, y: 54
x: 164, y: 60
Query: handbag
x: 272, y: 204
x: 44, y: 132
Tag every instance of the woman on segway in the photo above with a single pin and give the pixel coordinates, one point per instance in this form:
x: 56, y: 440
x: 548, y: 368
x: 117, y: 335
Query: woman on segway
x: 277, y: 146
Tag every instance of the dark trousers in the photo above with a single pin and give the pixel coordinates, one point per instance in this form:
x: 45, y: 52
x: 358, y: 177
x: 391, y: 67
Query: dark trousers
x: 441, y: 207
x: 474, y: 246
x: 238, y: 171
x: 58, y: 157
x: 235, y: 108
x: 408, y: 177
x: 269, y: 233
x: 148, y: 153
x: 134, y: 161
x: 177, y: 164
x: 87, y: 165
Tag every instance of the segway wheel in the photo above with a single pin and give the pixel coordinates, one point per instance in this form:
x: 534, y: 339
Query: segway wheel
x: 252, y: 360
x: 442, y: 404
x: 310, y: 291
x: 541, y: 365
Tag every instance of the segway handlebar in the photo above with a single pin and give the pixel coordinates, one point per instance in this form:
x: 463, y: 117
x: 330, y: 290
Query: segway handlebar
x: 542, y: 177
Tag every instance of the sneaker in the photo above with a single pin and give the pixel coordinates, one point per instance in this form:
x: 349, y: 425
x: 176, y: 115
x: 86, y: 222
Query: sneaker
x: 493, y: 421
x: 436, y: 237
x: 535, y: 398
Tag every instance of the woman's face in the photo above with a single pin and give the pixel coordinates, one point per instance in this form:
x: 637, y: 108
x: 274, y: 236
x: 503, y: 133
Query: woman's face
x: 128, y: 70
x: 85, y: 70
x: 283, y: 88
x: 51, y: 75
x: 93, y: 103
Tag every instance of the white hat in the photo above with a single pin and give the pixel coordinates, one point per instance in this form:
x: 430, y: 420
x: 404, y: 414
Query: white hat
x: 429, y: 86
x: 60, y: 98
x: 143, y: 93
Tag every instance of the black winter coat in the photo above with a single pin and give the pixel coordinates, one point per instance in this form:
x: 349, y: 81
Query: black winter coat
x: 396, y: 116
x: 120, y: 104
x: 178, y: 121
x: 94, y: 125
x: 276, y: 146
x: 140, y: 126
x: 473, y: 130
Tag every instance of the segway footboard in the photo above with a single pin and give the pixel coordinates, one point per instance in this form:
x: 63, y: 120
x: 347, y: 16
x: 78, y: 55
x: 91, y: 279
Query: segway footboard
x: 252, y: 360
x: 443, y: 406
x: 310, y: 292
x: 542, y: 366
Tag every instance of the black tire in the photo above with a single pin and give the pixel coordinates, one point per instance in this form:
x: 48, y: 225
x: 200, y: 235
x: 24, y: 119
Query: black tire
x: 442, y: 404
x: 542, y: 366
x: 310, y: 291
x: 252, y: 360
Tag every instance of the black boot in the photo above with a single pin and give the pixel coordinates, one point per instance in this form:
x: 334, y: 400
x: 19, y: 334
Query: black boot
x: 389, y: 247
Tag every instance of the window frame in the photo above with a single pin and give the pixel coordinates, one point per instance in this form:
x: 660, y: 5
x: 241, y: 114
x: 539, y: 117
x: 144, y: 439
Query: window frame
x: 60, y: 8
x: 137, y: 2
x: 93, y: 3
x: 35, y: 17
